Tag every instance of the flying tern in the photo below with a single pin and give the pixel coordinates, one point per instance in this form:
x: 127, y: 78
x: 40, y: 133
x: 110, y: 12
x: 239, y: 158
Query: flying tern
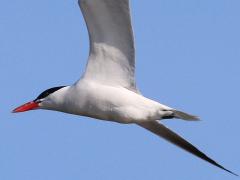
x: 107, y: 89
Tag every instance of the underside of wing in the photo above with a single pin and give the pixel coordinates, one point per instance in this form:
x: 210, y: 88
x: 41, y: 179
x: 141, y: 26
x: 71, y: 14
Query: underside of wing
x: 112, y: 54
x: 162, y: 131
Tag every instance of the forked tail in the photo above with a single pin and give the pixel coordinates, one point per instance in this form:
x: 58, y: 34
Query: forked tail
x: 184, y: 116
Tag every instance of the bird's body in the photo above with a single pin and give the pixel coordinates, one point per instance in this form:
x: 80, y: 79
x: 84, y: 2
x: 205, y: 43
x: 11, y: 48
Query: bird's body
x: 107, y: 89
x: 89, y: 98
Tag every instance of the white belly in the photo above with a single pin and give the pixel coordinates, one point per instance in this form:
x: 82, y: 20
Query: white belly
x: 110, y: 103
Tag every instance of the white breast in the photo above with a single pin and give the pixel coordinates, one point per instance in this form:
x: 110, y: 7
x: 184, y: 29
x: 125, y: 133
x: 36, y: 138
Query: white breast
x: 113, y: 103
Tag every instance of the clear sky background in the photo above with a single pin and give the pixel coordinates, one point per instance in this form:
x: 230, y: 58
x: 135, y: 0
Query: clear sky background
x: 188, y: 57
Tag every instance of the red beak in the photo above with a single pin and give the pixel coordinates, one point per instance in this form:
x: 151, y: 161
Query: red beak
x: 26, y: 107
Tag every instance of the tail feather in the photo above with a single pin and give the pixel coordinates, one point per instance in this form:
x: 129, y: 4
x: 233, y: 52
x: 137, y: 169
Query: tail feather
x: 185, y: 116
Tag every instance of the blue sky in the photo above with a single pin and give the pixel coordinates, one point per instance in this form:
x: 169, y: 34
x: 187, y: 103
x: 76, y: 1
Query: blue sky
x: 187, y: 57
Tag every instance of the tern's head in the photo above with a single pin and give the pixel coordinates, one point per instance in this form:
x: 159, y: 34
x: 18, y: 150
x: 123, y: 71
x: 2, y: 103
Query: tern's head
x: 45, y: 99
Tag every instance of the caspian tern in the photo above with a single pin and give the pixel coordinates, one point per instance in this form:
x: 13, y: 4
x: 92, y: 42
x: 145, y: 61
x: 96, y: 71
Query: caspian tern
x: 107, y: 90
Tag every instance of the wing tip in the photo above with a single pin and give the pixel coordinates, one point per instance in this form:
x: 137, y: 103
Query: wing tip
x: 231, y: 172
x: 162, y: 131
x: 221, y: 167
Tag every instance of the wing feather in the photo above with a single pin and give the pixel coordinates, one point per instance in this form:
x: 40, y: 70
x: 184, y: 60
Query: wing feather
x: 112, y: 53
x: 162, y: 131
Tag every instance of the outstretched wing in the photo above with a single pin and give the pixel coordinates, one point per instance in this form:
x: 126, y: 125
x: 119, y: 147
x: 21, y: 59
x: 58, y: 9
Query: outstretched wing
x: 112, y: 54
x: 162, y: 131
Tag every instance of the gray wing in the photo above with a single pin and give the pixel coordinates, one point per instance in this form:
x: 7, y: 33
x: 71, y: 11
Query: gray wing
x: 162, y: 131
x: 112, y: 54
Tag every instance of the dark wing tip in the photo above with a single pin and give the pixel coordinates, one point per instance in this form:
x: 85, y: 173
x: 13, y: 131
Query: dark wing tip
x: 227, y: 170
x: 203, y: 156
x: 218, y: 165
x: 167, y: 134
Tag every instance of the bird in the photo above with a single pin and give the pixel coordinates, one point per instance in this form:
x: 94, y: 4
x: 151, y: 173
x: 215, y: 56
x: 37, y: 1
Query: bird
x: 107, y: 89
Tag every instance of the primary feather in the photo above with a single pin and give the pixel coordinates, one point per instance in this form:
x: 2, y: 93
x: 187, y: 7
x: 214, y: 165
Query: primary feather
x: 112, y: 54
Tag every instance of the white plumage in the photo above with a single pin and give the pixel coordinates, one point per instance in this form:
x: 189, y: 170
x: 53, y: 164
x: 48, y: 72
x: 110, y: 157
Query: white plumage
x: 107, y: 90
x: 112, y: 53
